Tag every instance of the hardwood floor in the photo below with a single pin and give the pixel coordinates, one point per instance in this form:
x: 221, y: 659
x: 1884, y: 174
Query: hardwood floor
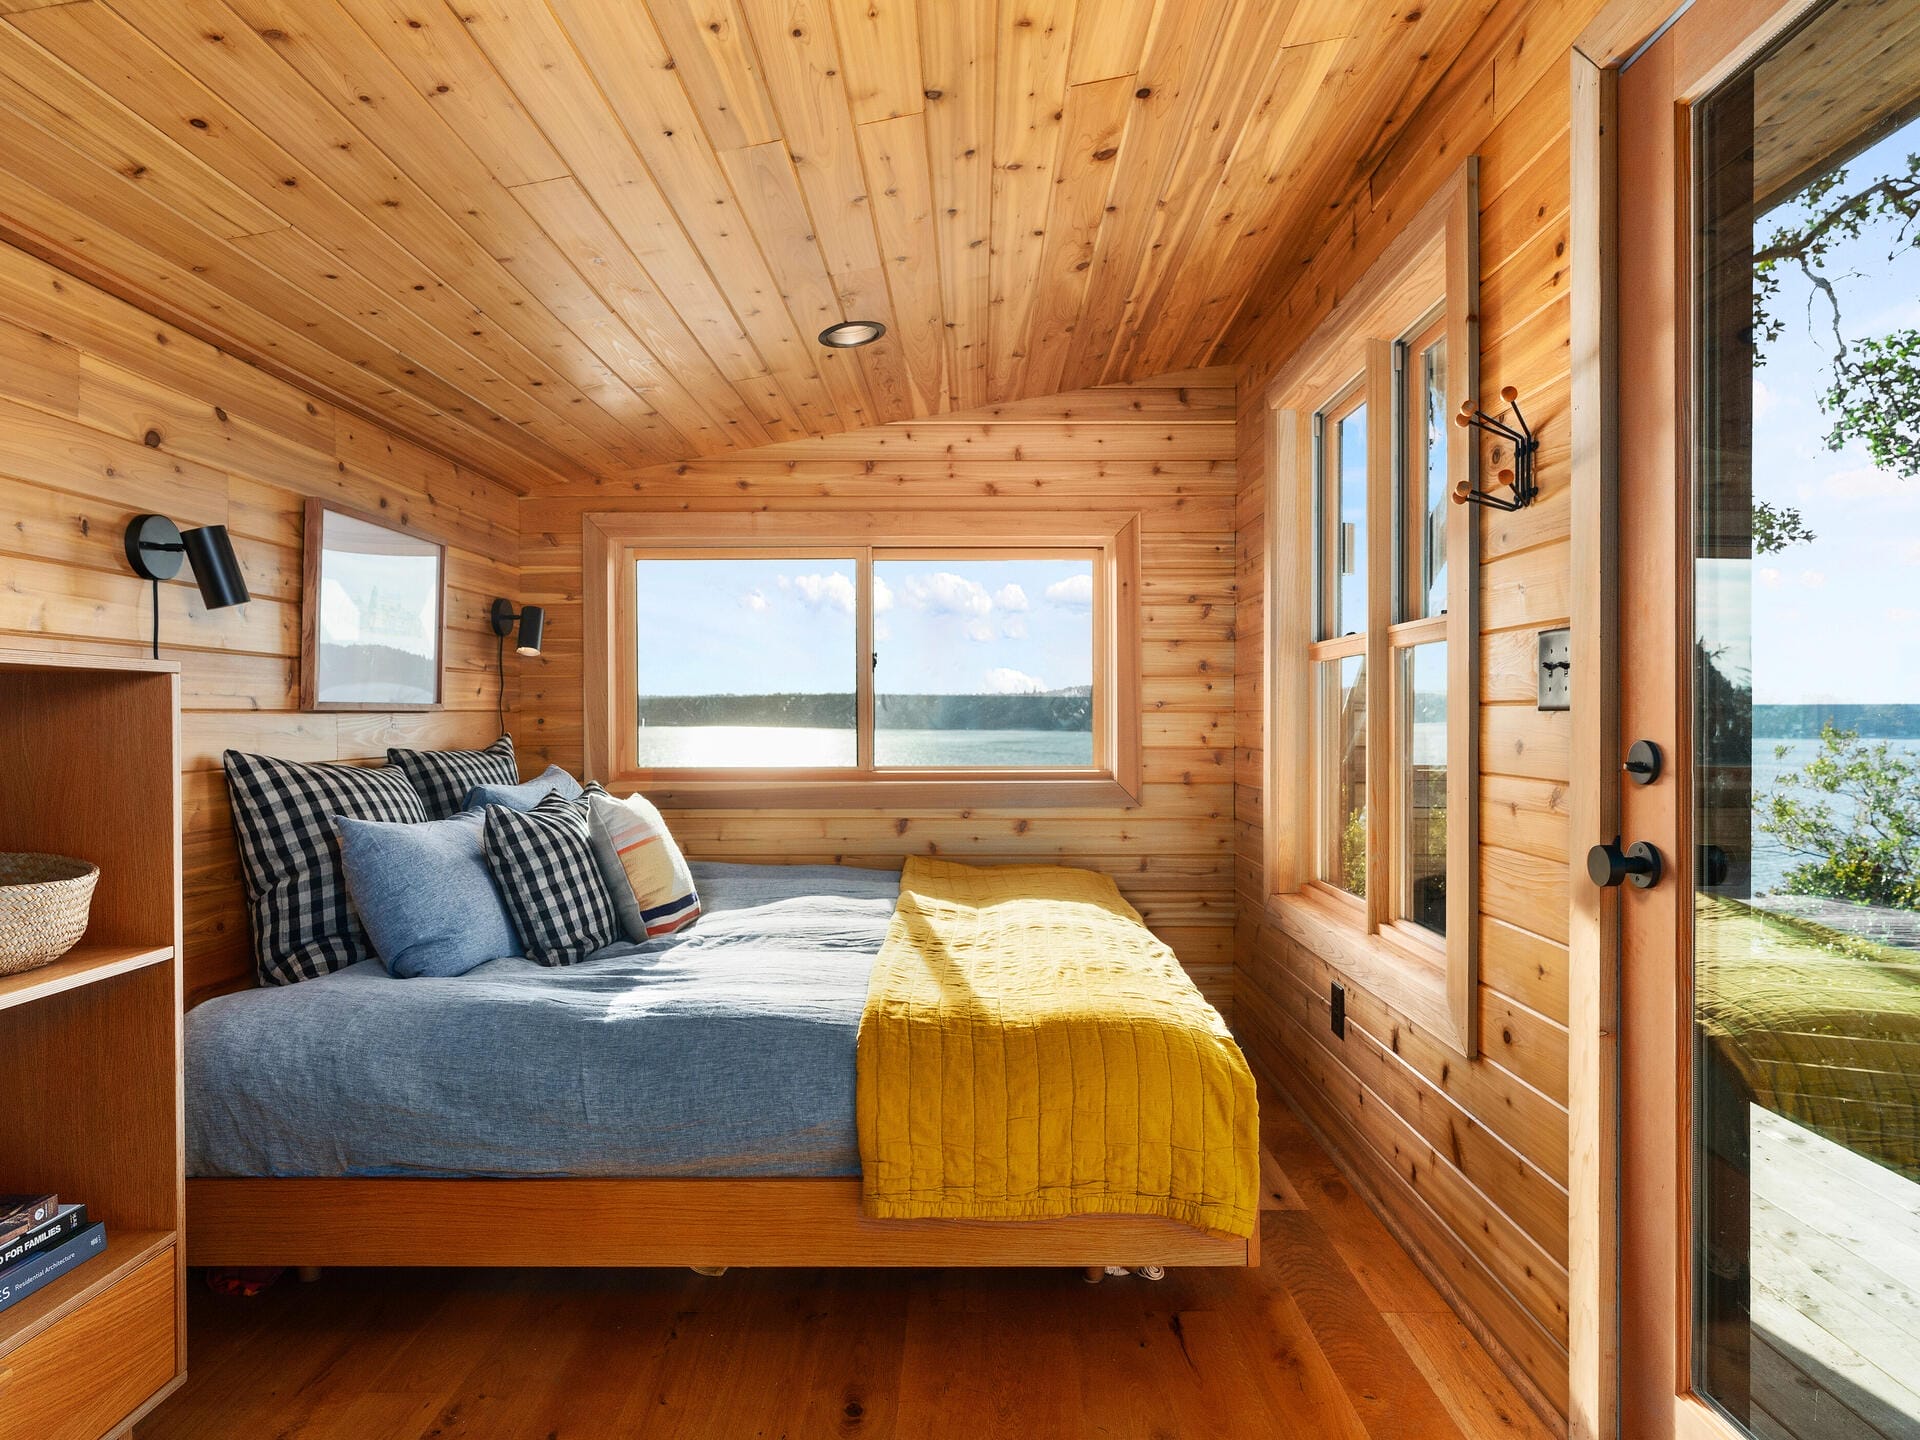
x: 1337, y: 1334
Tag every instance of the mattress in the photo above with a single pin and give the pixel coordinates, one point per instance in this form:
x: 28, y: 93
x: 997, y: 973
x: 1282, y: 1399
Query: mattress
x: 725, y: 1050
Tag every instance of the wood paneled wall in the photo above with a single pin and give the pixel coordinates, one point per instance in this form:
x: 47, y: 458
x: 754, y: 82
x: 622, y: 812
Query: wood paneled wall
x: 1164, y: 448
x: 1468, y: 1159
x: 106, y: 412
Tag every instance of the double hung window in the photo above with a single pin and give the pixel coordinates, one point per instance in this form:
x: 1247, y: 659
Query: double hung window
x: 1371, y: 569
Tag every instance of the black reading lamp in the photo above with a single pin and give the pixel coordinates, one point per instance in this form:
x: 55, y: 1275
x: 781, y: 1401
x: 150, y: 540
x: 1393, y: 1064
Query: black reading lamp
x: 156, y: 549
x: 533, y: 626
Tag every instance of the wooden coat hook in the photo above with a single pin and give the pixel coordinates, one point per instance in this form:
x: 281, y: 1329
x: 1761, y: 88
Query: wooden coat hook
x: 1519, y: 480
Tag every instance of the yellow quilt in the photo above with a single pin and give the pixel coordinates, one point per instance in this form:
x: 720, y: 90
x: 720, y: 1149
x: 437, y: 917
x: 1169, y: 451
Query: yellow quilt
x: 1028, y: 1048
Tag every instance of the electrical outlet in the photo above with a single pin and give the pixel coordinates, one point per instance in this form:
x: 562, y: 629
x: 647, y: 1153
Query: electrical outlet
x: 1339, y: 1009
x: 1556, y: 670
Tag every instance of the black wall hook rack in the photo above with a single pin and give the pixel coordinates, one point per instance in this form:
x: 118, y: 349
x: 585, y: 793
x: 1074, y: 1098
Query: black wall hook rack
x: 1519, y: 480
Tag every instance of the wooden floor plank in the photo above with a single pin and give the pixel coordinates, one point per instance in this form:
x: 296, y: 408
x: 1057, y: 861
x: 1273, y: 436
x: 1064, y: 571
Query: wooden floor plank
x: 1385, y: 1271
x: 1835, y: 1256
x: 1333, y: 1335
x: 1463, y: 1376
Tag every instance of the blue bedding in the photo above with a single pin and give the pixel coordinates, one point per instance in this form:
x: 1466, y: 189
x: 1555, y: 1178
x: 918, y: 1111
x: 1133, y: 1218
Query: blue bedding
x: 727, y: 1049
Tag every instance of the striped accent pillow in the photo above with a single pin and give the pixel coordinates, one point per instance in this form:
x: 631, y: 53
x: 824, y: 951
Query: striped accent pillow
x: 297, y: 907
x: 648, y: 877
x: 543, y: 865
x: 444, y: 777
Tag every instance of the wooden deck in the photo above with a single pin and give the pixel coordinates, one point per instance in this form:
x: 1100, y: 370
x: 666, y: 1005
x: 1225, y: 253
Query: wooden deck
x: 1336, y: 1335
x: 1836, y: 1290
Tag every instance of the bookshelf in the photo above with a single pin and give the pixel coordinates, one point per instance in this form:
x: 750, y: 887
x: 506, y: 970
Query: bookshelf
x: 90, y: 1045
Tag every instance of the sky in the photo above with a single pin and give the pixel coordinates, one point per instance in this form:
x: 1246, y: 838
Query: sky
x: 379, y: 600
x: 1838, y: 618
x: 955, y: 626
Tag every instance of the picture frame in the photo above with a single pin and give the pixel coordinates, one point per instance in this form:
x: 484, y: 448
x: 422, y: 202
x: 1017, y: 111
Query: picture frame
x: 372, y: 613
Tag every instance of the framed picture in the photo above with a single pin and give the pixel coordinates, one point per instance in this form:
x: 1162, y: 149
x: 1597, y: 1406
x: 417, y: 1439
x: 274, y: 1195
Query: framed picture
x: 372, y: 613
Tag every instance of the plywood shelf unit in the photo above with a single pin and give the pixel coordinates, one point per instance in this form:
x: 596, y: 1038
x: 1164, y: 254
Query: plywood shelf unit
x: 90, y: 1045
x: 83, y: 965
x: 127, y: 1251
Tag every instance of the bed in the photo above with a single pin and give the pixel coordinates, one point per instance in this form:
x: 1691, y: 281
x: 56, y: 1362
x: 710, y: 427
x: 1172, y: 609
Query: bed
x: 688, y: 1101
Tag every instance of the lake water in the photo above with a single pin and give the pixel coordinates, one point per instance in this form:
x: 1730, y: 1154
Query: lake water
x: 747, y: 746
x: 750, y: 746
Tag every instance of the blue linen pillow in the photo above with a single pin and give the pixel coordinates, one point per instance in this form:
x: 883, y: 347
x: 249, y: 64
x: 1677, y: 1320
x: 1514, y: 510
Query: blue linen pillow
x: 425, y: 894
x: 524, y: 796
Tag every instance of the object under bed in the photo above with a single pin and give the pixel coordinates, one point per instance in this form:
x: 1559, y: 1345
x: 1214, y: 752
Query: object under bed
x: 725, y: 1050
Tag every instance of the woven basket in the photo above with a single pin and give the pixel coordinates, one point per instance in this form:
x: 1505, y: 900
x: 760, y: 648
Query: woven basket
x: 43, y: 908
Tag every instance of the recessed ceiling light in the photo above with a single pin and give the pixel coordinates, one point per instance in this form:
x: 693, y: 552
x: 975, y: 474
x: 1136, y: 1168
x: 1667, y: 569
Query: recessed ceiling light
x: 851, y: 334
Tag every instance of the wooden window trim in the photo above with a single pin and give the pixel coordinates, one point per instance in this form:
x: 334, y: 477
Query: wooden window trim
x: 1430, y: 981
x: 611, y: 643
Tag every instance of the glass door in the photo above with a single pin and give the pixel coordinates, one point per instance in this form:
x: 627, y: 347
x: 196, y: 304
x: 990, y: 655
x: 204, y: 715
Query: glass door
x: 1802, y: 788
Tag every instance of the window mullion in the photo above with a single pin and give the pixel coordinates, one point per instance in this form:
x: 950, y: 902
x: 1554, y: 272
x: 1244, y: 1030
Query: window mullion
x: 863, y: 658
x: 1382, y: 806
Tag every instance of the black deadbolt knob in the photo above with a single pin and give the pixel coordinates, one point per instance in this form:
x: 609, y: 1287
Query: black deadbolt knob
x: 1608, y: 865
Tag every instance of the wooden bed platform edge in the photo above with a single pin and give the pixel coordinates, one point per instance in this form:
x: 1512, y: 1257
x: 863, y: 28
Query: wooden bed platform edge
x: 394, y: 1221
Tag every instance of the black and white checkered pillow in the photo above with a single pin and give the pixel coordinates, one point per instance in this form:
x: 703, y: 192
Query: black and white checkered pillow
x: 444, y: 777
x: 303, y: 925
x: 542, y: 862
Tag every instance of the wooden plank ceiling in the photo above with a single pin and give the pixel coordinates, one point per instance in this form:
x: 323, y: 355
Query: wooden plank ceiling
x: 566, y: 238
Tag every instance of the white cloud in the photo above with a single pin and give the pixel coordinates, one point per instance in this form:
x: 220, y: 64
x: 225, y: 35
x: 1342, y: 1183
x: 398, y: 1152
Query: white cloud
x: 980, y: 630
x: 1014, y: 628
x: 756, y: 601
x: 1075, y: 592
x: 1813, y: 579
x: 1002, y: 680
x: 948, y: 594
x: 1763, y: 401
x: 882, y: 630
x: 1010, y: 597
x: 818, y: 590
x: 882, y: 596
x: 1769, y: 576
x: 1900, y: 615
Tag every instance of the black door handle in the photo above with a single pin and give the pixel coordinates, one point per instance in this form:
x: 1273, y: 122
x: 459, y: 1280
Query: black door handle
x: 1608, y: 865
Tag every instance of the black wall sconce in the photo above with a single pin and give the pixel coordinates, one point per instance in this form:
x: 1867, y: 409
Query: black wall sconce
x: 156, y: 549
x: 1521, y: 486
x: 533, y: 629
x: 533, y: 626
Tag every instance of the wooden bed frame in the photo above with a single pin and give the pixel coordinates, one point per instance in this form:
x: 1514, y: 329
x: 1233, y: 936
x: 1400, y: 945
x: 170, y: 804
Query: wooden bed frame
x: 658, y: 1222
x: 708, y: 1223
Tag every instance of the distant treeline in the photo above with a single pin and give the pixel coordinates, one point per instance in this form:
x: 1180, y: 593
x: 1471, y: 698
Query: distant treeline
x: 1803, y: 722
x: 355, y: 671
x: 1066, y: 710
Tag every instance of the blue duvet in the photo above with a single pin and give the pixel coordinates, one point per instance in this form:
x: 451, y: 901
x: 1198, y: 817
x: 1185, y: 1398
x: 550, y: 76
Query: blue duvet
x: 726, y: 1050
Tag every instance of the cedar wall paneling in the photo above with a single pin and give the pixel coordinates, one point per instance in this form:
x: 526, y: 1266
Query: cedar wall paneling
x: 106, y: 412
x: 1164, y: 448
x: 1468, y: 1159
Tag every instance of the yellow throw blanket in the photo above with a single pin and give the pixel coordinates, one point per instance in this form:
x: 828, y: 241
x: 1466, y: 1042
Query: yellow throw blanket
x: 1030, y: 1049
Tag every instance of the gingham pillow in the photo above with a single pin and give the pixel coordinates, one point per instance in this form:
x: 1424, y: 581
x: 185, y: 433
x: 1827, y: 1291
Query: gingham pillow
x: 443, y: 777
x: 543, y: 864
x: 303, y: 925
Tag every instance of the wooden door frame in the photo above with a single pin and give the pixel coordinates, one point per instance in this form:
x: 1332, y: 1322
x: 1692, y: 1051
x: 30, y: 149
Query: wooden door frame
x: 1720, y: 35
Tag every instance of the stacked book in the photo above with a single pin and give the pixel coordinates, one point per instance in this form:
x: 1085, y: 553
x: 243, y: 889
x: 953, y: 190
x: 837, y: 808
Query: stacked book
x: 41, y: 1240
